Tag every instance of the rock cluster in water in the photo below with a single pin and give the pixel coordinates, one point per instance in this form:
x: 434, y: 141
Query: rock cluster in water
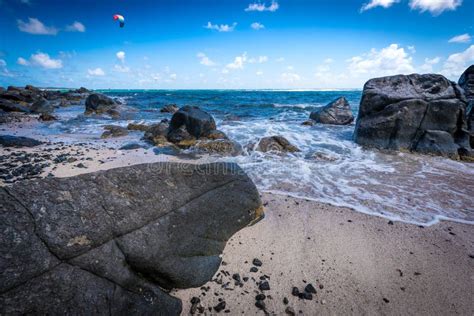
x: 418, y: 113
x: 109, y: 242
x: 338, y: 112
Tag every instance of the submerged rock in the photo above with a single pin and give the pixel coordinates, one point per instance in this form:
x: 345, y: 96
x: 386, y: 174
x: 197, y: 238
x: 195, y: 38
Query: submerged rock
x: 197, y: 122
x: 18, y: 141
x: 276, y: 143
x: 138, y: 127
x: 419, y: 113
x: 338, y: 112
x: 108, y: 242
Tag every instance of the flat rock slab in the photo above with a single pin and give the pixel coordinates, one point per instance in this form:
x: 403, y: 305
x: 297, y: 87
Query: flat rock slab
x: 115, y: 241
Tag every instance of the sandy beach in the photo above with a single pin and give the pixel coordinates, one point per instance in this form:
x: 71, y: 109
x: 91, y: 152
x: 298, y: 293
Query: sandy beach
x: 358, y: 264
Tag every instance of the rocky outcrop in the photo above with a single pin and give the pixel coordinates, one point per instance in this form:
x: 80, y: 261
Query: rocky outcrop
x: 110, y: 242
x: 170, y: 108
x: 467, y: 83
x: 338, y: 112
x: 276, y: 144
x: 18, y: 141
x: 42, y: 106
x: 114, y: 131
x: 219, y: 146
x: 156, y: 134
x: 97, y: 103
x: 197, y: 122
x: 138, y: 127
x: 419, y: 113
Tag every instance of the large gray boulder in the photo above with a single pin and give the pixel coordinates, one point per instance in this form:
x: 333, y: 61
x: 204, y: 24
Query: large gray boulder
x: 109, y: 242
x: 197, y: 122
x: 420, y: 113
x: 338, y: 112
x: 467, y: 83
x: 97, y: 103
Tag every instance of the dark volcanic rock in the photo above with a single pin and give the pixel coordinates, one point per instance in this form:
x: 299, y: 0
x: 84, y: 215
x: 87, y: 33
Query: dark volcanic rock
x: 219, y: 146
x: 181, y: 137
x: 156, y: 133
x: 276, y: 143
x: 107, y: 242
x: 197, y: 122
x: 9, y: 106
x: 42, y: 106
x: 132, y: 146
x: 420, y: 113
x: 97, y: 103
x: 114, y: 131
x: 18, y: 141
x: 338, y: 112
x: 467, y: 83
x: 170, y: 108
x: 138, y: 127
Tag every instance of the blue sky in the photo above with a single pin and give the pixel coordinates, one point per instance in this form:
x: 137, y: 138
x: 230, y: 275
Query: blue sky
x: 231, y: 44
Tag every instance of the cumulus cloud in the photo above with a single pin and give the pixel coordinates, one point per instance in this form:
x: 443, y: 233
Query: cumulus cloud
x: 259, y: 73
x: 41, y: 60
x: 35, y: 26
x: 4, y: 72
x: 457, y: 63
x: 238, y: 62
x: 204, y: 60
x: 390, y: 60
x: 378, y: 3
x: 121, y: 56
x: 427, y: 67
x: 463, y: 38
x: 22, y: 61
x: 98, y: 72
x: 221, y: 27
x: 260, y: 7
x: 76, y: 27
x: 257, y: 26
x: 435, y: 7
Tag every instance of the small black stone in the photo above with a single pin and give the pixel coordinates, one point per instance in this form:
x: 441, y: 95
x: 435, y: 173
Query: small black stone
x: 236, y: 277
x: 390, y: 222
x: 260, y: 304
x: 195, y: 300
x: 264, y: 286
x: 257, y: 262
x: 285, y: 301
x: 310, y: 288
x: 220, y: 307
x: 253, y: 269
x: 295, y: 291
x: 386, y: 300
x: 260, y: 297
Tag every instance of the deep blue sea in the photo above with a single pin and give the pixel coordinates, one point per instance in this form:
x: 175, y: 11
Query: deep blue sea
x: 412, y: 188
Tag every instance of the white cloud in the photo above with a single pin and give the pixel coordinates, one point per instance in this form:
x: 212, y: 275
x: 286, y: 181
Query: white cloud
x: 96, y: 72
x: 121, y: 68
x: 457, y: 63
x: 390, y: 60
x: 4, y: 72
x: 173, y: 76
x: 260, y: 7
x: 238, y: 63
x: 204, y: 60
x: 290, y: 77
x: 463, y: 38
x: 221, y: 27
x: 435, y: 7
x: 121, y: 56
x: 3, y: 63
x: 41, y: 60
x: 280, y: 59
x: 22, y: 61
x: 35, y: 26
x: 427, y: 67
x: 76, y: 27
x: 259, y: 73
x: 259, y: 60
x: 257, y: 26
x: 378, y: 3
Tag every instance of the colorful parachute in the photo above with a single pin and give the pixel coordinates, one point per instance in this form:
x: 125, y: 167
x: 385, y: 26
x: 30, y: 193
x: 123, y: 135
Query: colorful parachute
x: 120, y: 19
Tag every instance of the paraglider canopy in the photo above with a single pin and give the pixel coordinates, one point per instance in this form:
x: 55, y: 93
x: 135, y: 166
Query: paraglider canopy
x: 120, y: 19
